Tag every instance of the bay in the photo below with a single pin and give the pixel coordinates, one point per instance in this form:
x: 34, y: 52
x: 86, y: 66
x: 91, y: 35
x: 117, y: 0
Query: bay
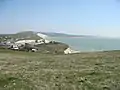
x: 90, y: 43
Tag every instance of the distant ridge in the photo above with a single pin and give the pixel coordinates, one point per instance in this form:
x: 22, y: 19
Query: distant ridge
x: 26, y: 35
x: 23, y: 35
x: 52, y: 34
x: 39, y: 35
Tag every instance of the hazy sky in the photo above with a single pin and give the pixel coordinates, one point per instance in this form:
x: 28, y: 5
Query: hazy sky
x: 94, y: 17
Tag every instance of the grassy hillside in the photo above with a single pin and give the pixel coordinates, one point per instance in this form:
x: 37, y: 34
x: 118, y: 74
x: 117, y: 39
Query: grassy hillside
x: 34, y: 71
x: 53, y: 48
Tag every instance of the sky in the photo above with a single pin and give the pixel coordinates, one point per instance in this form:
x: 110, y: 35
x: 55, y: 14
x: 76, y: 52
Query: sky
x: 83, y: 17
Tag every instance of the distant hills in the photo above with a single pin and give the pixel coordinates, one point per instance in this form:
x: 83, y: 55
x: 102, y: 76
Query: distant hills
x: 22, y: 35
x: 34, y: 35
x: 52, y: 34
x: 27, y: 35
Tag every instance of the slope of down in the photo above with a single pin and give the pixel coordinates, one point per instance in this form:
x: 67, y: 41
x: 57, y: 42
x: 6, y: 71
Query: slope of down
x: 35, y: 71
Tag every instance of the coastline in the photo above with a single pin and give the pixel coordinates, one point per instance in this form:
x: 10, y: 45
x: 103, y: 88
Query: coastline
x: 74, y: 45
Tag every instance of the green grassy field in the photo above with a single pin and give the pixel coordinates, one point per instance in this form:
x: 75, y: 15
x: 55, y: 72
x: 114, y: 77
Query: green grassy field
x: 34, y: 71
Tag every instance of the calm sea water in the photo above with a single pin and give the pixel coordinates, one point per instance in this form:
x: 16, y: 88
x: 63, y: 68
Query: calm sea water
x: 90, y: 44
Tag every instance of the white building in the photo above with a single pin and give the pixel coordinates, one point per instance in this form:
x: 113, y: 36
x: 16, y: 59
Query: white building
x: 25, y: 41
x: 33, y: 42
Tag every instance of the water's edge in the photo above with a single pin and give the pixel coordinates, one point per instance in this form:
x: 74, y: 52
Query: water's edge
x: 85, y: 44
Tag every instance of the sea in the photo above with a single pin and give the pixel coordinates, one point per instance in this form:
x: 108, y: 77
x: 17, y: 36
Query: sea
x: 88, y: 44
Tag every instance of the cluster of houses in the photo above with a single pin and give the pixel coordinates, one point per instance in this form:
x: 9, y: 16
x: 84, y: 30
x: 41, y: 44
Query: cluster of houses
x: 22, y: 44
x: 28, y: 45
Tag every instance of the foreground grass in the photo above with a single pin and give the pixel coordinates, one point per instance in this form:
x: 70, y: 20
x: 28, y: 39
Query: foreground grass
x: 34, y: 71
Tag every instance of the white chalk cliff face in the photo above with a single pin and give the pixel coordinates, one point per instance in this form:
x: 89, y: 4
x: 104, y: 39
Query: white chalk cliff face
x: 70, y: 51
x: 42, y: 35
x: 45, y: 37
